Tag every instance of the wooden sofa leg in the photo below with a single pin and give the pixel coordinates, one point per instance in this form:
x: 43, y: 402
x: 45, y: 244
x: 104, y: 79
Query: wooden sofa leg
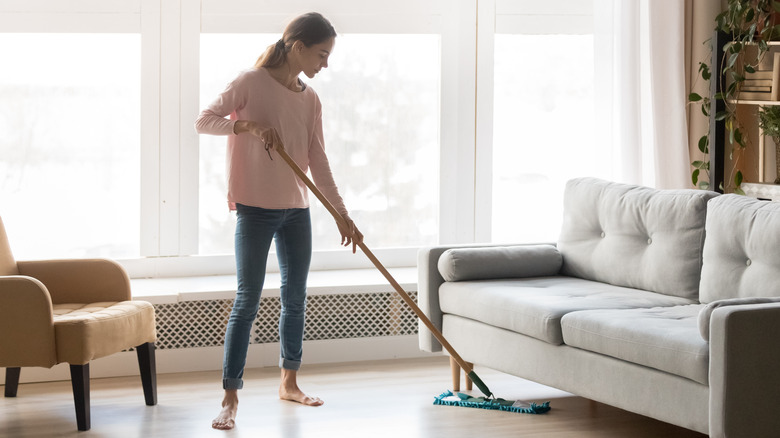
x: 148, y: 367
x: 469, y: 383
x: 79, y: 378
x: 12, y: 381
x: 455, y: 369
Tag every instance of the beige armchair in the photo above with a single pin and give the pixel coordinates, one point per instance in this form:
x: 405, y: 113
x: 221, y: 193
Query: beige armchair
x: 72, y: 311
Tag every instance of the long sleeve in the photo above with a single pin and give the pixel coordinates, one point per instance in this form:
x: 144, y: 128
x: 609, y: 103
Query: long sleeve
x: 212, y: 120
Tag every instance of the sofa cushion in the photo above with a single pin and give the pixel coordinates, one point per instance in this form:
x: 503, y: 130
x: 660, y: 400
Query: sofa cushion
x: 634, y: 236
x: 535, y: 306
x: 742, y: 250
x: 664, y: 338
x: 459, y: 264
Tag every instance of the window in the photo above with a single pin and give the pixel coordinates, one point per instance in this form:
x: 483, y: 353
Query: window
x: 69, y: 153
x: 380, y: 99
x: 543, y: 131
x: 535, y: 122
x: 439, y: 130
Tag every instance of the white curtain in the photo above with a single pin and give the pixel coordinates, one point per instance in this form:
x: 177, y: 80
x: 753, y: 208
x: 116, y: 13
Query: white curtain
x: 640, y: 62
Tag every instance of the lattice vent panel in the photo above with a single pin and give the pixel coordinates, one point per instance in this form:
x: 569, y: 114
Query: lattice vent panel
x: 191, y: 324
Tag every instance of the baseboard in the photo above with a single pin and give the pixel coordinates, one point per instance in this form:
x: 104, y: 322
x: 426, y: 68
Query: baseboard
x: 260, y: 355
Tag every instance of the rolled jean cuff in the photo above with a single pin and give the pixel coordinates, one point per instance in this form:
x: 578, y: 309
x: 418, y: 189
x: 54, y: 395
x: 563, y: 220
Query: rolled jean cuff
x: 287, y: 364
x: 232, y: 383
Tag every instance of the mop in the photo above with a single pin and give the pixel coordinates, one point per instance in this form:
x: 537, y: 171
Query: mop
x: 447, y: 398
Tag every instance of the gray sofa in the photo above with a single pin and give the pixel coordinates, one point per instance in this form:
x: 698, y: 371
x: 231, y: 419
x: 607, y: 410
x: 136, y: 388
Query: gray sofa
x: 632, y: 307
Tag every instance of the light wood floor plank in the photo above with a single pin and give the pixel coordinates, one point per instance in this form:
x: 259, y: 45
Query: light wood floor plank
x: 364, y: 399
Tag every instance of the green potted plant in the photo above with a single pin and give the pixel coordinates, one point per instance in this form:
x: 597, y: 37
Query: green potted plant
x: 750, y: 23
x: 769, y: 122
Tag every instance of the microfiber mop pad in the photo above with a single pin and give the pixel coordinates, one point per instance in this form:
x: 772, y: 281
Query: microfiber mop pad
x: 467, y: 401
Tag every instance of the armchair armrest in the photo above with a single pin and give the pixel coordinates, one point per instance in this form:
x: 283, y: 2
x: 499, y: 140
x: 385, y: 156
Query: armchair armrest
x: 26, y: 323
x: 430, y: 279
x: 744, y: 363
x: 80, y: 280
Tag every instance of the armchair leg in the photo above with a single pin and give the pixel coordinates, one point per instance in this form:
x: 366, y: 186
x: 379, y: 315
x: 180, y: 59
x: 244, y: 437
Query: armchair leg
x: 79, y: 378
x: 148, y: 367
x: 12, y: 381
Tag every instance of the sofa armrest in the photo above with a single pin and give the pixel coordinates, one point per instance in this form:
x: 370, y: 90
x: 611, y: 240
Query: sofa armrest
x: 744, y: 377
x: 428, y: 283
x: 80, y: 280
x: 26, y: 323
x: 706, y: 313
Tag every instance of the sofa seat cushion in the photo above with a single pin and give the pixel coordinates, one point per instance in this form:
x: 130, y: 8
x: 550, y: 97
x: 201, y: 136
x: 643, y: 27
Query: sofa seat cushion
x: 664, y: 338
x: 535, y: 306
x: 89, y: 331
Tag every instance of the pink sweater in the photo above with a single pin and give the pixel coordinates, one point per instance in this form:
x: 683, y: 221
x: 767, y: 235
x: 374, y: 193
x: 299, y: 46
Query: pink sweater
x: 253, y: 178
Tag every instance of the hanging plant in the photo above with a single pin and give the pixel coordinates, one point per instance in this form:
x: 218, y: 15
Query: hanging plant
x: 751, y: 23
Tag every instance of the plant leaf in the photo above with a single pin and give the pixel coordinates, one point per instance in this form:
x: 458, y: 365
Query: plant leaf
x: 732, y: 60
x: 704, y: 185
x: 695, y: 177
x: 694, y: 97
x: 703, y: 143
x: 738, y: 179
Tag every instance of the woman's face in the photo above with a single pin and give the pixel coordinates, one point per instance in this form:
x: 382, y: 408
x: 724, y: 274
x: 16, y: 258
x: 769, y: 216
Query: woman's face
x: 314, y: 58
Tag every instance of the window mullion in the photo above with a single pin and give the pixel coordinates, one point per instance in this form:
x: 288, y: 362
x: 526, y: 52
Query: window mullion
x: 188, y: 138
x: 150, y: 127
x: 486, y: 26
x: 170, y: 123
x: 458, y: 112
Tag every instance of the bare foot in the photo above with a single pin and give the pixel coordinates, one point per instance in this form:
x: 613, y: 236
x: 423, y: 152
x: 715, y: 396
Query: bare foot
x: 289, y: 390
x: 226, y: 419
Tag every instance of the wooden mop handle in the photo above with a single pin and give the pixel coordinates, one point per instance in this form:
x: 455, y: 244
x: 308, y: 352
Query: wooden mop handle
x: 336, y: 215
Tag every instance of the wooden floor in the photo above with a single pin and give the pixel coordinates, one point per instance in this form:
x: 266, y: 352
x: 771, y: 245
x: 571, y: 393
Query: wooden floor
x: 364, y: 399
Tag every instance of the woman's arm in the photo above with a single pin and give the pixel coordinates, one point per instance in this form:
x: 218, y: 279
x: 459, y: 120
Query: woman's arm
x: 213, y: 120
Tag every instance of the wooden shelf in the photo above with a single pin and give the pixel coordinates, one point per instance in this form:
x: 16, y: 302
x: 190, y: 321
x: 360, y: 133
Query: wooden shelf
x: 755, y: 102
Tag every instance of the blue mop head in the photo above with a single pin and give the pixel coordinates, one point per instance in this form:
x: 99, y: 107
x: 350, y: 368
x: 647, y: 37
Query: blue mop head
x: 467, y: 401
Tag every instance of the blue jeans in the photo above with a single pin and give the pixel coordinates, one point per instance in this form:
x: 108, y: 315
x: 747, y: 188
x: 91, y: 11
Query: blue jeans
x: 255, y: 228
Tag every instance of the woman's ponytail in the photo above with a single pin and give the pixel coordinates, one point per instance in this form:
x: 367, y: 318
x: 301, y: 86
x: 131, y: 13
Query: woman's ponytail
x: 274, y: 55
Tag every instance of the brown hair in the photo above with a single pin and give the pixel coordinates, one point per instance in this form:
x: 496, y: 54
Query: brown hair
x: 311, y: 28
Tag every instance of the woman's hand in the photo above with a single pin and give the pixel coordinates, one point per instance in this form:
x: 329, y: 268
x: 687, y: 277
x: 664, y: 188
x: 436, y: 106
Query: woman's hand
x: 350, y: 235
x: 268, y: 136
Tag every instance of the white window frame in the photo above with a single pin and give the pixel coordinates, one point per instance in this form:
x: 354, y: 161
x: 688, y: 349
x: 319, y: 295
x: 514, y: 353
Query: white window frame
x: 170, y: 34
x: 529, y: 17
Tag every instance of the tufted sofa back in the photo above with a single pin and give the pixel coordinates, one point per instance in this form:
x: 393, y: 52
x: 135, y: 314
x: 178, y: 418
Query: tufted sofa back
x: 634, y: 236
x: 742, y: 251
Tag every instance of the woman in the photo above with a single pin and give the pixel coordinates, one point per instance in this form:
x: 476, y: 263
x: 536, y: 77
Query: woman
x: 269, y: 106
